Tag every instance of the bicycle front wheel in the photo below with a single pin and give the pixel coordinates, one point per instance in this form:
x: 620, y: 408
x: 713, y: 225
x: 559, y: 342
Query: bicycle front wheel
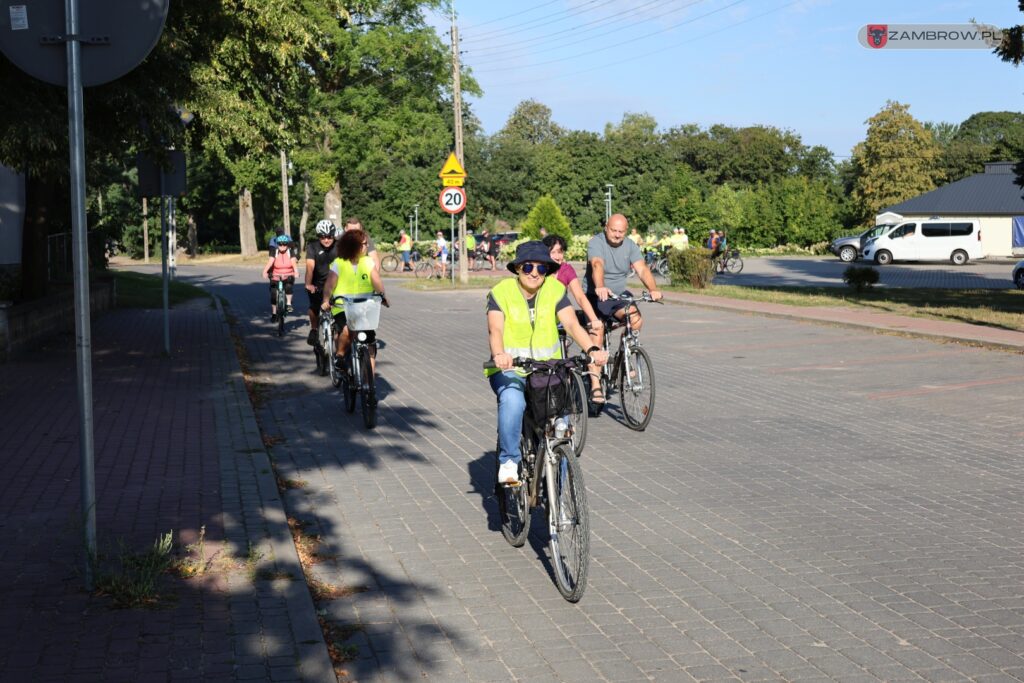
x: 636, y: 388
x: 578, y: 412
x: 569, y: 525
x: 350, y: 383
x: 281, y: 303
x: 367, y: 390
x: 513, y: 507
x: 734, y: 265
x: 389, y: 263
x: 327, y: 340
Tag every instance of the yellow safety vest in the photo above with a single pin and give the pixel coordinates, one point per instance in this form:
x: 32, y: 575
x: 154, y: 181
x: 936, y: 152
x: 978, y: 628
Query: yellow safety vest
x: 521, y: 339
x: 470, y: 242
x: 679, y: 242
x: 352, y: 281
x: 405, y: 244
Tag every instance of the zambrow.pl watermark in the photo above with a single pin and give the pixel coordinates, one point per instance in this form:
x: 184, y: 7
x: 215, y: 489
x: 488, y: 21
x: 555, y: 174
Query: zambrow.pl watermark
x: 929, y: 36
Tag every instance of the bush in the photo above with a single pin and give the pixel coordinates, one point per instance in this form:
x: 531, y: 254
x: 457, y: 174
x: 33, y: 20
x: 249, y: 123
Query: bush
x: 576, y: 248
x: 860, y: 278
x: 691, y: 267
x: 545, y: 214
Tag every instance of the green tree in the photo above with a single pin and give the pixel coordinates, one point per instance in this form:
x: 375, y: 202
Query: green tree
x: 545, y: 214
x: 897, y: 160
x: 724, y: 208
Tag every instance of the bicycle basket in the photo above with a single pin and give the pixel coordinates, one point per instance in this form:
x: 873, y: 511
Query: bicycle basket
x: 362, y: 312
x: 547, y: 393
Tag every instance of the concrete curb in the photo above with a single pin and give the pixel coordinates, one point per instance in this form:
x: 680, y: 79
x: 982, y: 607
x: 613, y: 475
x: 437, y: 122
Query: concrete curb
x: 314, y: 661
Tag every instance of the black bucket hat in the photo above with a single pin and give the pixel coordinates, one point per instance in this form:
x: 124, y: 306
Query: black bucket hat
x: 534, y: 250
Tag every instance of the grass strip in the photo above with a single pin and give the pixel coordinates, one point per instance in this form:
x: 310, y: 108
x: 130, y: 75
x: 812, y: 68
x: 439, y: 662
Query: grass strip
x: 141, y: 290
x: 1000, y: 308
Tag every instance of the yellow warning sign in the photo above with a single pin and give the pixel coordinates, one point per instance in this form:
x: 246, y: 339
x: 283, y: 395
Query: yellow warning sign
x: 452, y: 173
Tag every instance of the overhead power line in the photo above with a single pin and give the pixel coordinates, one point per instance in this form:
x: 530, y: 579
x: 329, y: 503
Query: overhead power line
x: 619, y: 27
x: 516, y: 14
x: 618, y: 45
x: 649, y: 53
x: 526, y: 25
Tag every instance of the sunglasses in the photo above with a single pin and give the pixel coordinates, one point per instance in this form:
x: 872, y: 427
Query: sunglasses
x: 542, y: 268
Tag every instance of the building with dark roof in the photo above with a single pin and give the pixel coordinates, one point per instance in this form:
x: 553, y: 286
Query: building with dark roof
x: 993, y: 197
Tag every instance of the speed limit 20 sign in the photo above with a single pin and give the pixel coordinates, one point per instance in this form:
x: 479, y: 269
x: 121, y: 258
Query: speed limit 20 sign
x: 452, y: 199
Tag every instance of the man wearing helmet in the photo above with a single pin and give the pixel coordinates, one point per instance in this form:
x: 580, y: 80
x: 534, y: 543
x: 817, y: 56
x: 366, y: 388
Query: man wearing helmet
x: 282, y: 266
x: 319, y: 255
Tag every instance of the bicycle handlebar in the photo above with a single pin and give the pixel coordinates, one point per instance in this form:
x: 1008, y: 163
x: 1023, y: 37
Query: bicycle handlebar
x: 359, y: 298
x: 645, y: 297
x: 530, y: 364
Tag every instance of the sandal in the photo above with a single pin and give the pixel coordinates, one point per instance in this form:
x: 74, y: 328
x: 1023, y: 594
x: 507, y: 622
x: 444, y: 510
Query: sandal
x: 596, y: 395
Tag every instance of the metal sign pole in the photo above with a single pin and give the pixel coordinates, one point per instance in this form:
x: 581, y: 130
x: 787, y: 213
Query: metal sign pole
x: 451, y: 249
x: 80, y: 251
x: 163, y: 266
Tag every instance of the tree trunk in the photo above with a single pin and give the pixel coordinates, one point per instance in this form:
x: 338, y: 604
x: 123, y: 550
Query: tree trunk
x: 145, y: 229
x: 41, y: 195
x: 305, y: 216
x: 193, y: 245
x: 332, y: 205
x: 285, y: 206
x: 246, y: 223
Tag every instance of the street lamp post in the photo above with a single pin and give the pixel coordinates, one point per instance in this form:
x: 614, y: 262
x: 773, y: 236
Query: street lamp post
x: 416, y: 214
x: 608, y: 201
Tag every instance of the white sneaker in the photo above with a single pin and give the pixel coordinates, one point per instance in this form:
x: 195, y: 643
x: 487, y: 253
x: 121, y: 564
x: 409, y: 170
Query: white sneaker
x: 508, y: 473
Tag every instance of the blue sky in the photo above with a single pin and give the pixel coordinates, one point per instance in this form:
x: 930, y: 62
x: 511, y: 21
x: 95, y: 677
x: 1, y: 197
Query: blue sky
x: 791, y: 64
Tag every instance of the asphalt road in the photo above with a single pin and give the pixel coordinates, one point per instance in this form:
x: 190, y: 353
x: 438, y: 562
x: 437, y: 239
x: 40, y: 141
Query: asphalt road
x: 808, y: 503
x: 828, y: 272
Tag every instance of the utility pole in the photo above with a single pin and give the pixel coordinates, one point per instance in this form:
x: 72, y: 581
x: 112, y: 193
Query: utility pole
x: 145, y: 230
x: 416, y: 218
x: 284, y: 193
x: 608, y: 202
x: 457, y: 89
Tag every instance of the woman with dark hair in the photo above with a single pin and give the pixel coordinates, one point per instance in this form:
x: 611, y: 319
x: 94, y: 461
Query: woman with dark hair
x: 566, y: 274
x: 353, y: 272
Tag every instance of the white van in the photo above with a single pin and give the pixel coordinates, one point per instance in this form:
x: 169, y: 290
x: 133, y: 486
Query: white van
x: 932, y: 239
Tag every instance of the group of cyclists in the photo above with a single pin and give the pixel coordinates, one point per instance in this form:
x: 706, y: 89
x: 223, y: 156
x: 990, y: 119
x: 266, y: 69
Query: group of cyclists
x: 523, y: 312
x: 341, y: 262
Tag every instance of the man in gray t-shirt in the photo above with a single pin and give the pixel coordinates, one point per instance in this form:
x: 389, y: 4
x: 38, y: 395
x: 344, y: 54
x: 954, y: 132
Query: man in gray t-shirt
x: 610, y: 256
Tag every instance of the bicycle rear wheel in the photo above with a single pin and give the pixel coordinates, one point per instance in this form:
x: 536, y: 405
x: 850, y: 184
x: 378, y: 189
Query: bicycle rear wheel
x: 734, y: 265
x: 662, y: 267
x: 578, y: 412
x: 513, y: 507
x: 636, y: 388
x: 569, y: 525
x: 389, y: 263
x: 367, y: 390
x: 424, y: 270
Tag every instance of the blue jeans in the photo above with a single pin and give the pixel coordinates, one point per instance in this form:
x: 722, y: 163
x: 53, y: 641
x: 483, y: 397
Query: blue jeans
x: 510, y: 389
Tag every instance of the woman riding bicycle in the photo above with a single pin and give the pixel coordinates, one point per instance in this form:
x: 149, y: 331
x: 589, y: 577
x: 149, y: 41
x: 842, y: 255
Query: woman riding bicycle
x: 567, y: 276
x: 282, y: 266
x: 522, y: 321
x: 352, y: 273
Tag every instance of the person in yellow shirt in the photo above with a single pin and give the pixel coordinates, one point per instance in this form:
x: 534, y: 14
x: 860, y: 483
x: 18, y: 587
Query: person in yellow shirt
x: 637, y: 238
x: 679, y: 239
x: 405, y: 249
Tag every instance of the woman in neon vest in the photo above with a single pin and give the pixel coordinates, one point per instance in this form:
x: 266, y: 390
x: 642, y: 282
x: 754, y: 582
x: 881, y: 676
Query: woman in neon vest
x: 353, y: 272
x: 522, y: 321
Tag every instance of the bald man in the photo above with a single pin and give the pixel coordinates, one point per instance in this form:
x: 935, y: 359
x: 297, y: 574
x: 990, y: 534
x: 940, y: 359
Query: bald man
x: 610, y: 256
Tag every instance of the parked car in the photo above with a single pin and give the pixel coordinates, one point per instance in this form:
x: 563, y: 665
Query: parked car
x: 957, y: 240
x: 1018, y: 275
x: 849, y: 248
x: 500, y: 239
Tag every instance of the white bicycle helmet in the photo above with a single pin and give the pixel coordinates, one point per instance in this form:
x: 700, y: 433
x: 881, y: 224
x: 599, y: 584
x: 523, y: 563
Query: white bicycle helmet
x: 325, y: 228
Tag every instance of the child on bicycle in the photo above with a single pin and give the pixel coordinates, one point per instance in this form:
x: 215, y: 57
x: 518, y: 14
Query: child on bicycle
x: 282, y: 266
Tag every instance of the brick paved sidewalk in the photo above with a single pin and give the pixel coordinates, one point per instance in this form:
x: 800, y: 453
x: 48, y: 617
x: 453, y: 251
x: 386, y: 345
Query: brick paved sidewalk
x: 177, y: 448
x: 921, y: 327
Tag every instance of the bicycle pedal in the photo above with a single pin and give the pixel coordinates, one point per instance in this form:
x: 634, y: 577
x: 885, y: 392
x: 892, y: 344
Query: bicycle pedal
x: 512, y: 484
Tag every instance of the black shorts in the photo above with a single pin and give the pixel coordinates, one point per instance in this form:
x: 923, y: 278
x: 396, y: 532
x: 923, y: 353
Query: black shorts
x: 607, y: 308
x: 340, y: 320
x: 316, y: 298
x: 289, y: 284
